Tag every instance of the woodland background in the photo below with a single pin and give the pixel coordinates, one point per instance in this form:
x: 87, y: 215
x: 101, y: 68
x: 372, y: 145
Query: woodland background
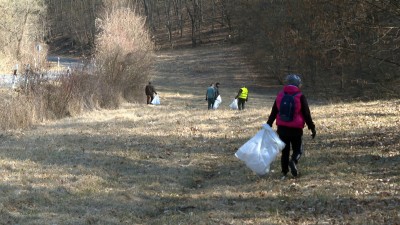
x: 343, y: 49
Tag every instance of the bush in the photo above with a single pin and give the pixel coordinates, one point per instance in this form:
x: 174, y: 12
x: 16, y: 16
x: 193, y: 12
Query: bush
x: 40, y: 99
x: 124, y: 55
x: 20, y: 34
x: 16, y: 111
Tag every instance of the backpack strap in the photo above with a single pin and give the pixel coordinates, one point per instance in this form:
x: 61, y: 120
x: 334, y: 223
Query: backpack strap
x: 285, y: 93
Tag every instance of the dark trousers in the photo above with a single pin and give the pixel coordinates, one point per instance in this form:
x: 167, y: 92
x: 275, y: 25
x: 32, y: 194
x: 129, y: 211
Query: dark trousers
x: 241, y: 103
x: 296, y: 143
x: 150, y: 99
x: 211, y: 102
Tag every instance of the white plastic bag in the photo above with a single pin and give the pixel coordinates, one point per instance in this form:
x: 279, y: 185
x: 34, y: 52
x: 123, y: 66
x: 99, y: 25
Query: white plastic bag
x: 217, y: 102
x: 261, y: 150
x: 234, y: 104
x: 156, y: 100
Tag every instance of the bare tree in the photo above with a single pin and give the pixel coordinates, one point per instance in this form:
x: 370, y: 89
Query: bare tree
x: 21, y: 32
x: 345, y: 47
x: 74, y: 22
x: 193, y: 10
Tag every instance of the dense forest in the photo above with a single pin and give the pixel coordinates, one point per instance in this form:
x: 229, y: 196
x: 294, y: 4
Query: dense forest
x: 341, y: 48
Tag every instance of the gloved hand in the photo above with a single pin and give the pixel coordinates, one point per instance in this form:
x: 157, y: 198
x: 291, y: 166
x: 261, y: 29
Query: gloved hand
x: 313, y: 133
x: 206, y: 99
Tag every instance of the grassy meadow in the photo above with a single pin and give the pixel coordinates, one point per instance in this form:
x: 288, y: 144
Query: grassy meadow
x: 174, y: 163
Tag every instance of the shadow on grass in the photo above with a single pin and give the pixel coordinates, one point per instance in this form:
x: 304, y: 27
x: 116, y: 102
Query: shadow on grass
x: 145, y: 180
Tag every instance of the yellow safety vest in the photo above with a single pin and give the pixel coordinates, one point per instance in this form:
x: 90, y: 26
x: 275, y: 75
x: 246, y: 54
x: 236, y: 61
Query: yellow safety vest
x: 244, y: 93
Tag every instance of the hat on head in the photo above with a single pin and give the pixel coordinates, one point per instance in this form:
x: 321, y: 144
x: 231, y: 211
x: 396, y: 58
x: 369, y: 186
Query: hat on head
x: 293, y: 79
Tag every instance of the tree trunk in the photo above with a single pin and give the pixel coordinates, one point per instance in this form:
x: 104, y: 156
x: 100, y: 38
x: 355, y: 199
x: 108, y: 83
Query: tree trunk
x: 21, y: 36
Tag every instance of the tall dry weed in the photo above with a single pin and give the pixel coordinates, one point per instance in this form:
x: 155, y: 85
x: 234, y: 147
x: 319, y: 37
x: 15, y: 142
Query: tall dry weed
x: 40, y: 99
x: 16, y: 111
x: 124, y: 55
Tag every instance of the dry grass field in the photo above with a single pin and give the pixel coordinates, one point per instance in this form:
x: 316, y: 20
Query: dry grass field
x: 174, y: 163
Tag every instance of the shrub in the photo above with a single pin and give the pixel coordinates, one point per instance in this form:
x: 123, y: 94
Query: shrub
x: 20, y: 34
x: 16, y: 111
x: 124, y: 56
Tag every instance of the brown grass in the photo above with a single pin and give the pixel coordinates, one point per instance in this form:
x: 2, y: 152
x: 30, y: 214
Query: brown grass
x: 174, y: 163
x: 15, y: 110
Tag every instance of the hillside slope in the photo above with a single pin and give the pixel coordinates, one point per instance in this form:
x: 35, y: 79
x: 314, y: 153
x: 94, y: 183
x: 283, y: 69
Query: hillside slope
x: 190, y: 71
x: 174, y: 163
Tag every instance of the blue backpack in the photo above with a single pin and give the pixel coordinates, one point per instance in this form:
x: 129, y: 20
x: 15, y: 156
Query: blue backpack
x: 287, y: 107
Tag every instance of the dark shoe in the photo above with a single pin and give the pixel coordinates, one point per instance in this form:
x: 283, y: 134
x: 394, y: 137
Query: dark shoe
x: 293, y: 168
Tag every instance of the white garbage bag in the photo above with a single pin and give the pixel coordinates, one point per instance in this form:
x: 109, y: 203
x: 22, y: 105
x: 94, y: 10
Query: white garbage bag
x: 156, y: 100
x: 234, y: 104
x: 261, y: 150
x: 217, y: 102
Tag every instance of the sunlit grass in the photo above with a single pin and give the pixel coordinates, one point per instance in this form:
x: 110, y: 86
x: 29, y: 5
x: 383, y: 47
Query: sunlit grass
x: 177, y: 168
x: 174, y: 164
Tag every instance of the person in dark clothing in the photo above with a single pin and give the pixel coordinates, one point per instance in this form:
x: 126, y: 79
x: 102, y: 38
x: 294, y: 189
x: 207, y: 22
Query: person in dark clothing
x: 291, y: 132
x: 216, y: 90
x: 150, y: 91
x: 210, y: 96
x: 14, y: 77
x: 242, y: 97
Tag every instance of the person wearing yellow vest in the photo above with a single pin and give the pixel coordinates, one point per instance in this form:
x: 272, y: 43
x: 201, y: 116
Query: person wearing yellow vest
x: 242, y: 97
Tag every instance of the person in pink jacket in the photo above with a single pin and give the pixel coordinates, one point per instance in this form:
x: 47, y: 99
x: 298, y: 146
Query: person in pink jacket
x: 290, y: 128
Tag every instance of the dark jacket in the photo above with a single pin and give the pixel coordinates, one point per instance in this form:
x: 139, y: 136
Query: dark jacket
x: 150, y: 90
x: 216, y: 92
